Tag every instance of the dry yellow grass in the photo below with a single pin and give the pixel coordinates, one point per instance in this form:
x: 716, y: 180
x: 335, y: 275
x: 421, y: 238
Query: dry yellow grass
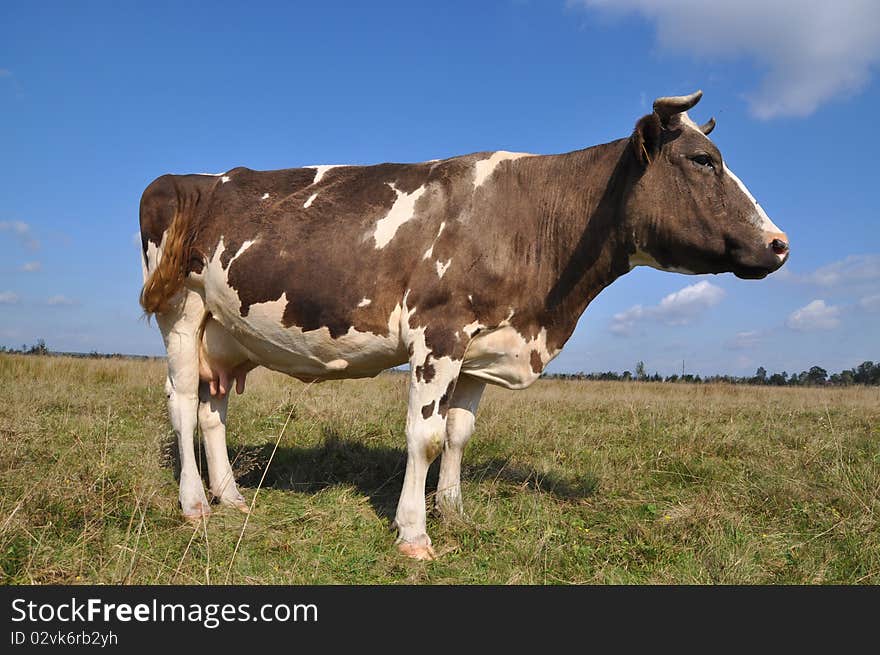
x: 567, y: 482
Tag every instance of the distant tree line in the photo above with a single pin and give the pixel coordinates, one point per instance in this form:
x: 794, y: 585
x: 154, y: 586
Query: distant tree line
x: 40, y: 348
x: 866, y: 373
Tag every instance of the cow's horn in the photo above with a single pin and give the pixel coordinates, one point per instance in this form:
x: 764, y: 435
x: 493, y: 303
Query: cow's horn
x: 708, y: 126
x: 669, y: 106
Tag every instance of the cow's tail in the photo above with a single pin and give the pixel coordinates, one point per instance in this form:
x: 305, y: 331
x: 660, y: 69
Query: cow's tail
x: 171, y: 214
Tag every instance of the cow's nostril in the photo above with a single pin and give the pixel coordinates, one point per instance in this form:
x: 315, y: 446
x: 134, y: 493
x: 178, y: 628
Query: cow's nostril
x: 779, y: 246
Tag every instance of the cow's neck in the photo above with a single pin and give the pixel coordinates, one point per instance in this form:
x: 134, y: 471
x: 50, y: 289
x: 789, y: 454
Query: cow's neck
x: 579, y: 199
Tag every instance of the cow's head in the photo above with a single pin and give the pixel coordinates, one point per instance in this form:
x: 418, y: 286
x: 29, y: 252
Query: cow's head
x: 688, y: 211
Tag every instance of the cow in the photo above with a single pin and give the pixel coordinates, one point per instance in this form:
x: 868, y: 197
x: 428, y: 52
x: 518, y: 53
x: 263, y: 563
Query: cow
x: 472, y: 269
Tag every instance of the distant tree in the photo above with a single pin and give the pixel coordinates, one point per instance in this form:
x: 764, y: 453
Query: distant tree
x: 760, y: 376
x: 817, y: 375
x: 38, y: 348
x: 777, y: 379
x: 867, y: 373
x: 626, y: 376
x: 641, y: 374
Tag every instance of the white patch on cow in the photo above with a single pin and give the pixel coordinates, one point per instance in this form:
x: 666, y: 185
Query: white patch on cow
x: 213, y: 174
x: 401, y: 211
x: 244, y: 246
x: 430, y: 251
x: 761, y: 219
x: 224, y: 179
x: 484, y: 168
x: 642, y: 258
x: 312, y: 354
x: 308, y: 203
x: 445, y: 368
x: 471, y: 328
x: 364, y: 302
x: 265, y: 196
x: 503, y: 356
x: 154, y: 252
x: 687, y: 120
x: 322, y: 171
x: 470, y: 297
x: 441, y: 268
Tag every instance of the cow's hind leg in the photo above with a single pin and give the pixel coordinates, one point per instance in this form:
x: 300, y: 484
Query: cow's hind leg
x: 212, y: 422
x: 459, y: 428
x: 180, y: 325
x: 432, y: 381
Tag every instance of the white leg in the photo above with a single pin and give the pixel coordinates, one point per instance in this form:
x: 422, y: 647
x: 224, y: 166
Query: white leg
x: 425, y: 433
x: 459, y: 428
x: 212, y: 422
x: 179, y: 328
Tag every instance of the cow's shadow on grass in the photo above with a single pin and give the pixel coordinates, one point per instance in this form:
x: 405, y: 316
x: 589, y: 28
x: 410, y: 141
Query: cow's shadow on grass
x: 376, y: 471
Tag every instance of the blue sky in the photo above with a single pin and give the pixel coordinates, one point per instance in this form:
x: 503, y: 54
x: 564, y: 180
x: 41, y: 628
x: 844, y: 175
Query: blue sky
x: 97, y: 99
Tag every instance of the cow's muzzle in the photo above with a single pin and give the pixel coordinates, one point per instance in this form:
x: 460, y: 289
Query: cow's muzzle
x: 767, y: 259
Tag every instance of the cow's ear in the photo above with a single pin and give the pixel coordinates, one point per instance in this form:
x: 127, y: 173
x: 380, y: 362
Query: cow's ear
x: 646, y: 138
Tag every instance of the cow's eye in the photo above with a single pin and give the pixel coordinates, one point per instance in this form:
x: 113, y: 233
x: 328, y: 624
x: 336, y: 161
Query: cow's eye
x: 703, y: 160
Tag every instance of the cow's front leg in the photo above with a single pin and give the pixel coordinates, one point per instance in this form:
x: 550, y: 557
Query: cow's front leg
x: 432, y: 381
x: 459, y: 428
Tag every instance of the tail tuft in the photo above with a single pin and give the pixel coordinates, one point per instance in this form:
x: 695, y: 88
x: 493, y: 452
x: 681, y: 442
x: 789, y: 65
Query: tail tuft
x: 167, y: 278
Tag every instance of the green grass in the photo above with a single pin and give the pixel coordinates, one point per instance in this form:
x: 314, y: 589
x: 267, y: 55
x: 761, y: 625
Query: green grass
x: 567, y: 482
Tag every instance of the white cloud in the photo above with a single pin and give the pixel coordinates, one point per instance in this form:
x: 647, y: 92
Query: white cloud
x: 870, y: 303
x: 745, y: 340
x: 8, y: 298
x: 678, y: 308
x: 624, y: 323
x: 17, y: 227
x: 31, y: 267
x: 21, y: 230
x: 810, y: 52
x: 60, y: 300
x: 814, y: 316
x: 851, y: 269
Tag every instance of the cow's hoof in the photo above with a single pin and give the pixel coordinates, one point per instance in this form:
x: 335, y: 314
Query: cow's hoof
x: 422, y: 552
x: 197, y: 512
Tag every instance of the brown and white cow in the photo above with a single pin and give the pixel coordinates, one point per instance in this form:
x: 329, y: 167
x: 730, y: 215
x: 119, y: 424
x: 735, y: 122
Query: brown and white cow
x: 473, y: 269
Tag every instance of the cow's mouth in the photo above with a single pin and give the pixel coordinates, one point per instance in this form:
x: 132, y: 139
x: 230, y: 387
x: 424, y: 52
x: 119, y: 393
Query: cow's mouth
x: 752, y: 273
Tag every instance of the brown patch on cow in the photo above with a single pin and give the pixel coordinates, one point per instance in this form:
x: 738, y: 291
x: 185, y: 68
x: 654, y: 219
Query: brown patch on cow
x: 443, y: 406
x: 425, y: 373
x: 440, y: 339
x: 536, y: 361
x: 428, y: 410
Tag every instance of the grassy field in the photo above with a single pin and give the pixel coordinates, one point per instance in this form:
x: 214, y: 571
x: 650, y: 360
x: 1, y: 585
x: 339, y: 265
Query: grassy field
x: 567, y: 482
